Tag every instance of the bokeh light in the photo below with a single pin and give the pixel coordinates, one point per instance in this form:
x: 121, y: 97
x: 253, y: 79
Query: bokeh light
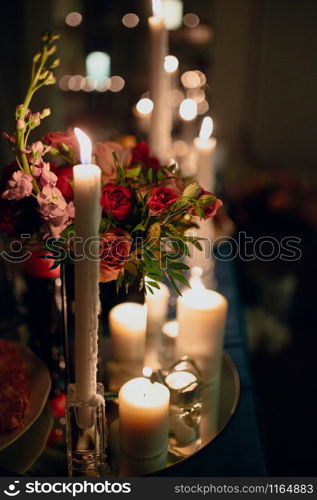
x: 73, y: 19
x: 191, y: 20
x: 116, y: 83
x: 188, y: 109
x: 145, y: 106
x: 172, y: 12
x: 130, y: 20
x: 177, y: 97
x: 170, y: 64
x: 98, y: 67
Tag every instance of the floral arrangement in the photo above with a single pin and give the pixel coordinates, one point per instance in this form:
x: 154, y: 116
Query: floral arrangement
x: 146, y: 207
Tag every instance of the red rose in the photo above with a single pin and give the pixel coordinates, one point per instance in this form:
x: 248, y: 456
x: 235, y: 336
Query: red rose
x: 57, y: 139
x: 160, y: 199
x: 211, y: 209
x: 141, y: 154
x: 115, y: 246
x: 117, y: 200
x: 64, y: 176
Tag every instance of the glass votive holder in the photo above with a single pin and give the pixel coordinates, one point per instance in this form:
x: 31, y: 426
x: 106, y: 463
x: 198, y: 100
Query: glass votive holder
x: 184, y: 382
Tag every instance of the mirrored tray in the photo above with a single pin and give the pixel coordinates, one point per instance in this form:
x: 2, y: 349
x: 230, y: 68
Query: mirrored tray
x: 213, y: 421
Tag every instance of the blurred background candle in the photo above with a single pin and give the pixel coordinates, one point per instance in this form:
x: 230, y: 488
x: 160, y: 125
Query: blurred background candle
x: 87, y: 190
x: 168, y: 343
x: 161, y: 118
x: 201, y: 314
x: 157, y: 308
x: 204, y: 147
x: 127, y: 324
x: 143, y: 417
x: 157, y: 305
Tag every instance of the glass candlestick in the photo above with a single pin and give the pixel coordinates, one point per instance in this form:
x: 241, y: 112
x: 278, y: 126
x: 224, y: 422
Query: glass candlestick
x: 184, y: 382
x: 86, y: 434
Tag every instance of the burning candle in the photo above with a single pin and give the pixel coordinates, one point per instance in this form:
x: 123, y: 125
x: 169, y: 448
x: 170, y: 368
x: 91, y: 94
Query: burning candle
x: 127, y: 324
x: 161, y: 118
x: 157, y: 305
x: 201, y: 314
x: 204, y: 147
x: 143, y: 417
x: 87, y: 187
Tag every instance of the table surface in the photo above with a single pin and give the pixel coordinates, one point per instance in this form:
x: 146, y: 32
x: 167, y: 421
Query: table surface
x: 237, y: 450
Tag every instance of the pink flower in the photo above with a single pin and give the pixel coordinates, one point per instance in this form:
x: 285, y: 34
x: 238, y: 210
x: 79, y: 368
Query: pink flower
x: 47, y: 177
x: 54, y: 210
x: 104, y: 159
x: 52, y: 203
x: 19, y: 186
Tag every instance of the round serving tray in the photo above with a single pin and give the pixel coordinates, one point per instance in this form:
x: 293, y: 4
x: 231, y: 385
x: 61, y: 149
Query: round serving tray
x: 213, y: 421
x: 39, y: 383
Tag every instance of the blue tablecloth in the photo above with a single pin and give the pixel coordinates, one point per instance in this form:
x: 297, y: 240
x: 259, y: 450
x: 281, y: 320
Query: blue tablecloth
x: 237, y: 451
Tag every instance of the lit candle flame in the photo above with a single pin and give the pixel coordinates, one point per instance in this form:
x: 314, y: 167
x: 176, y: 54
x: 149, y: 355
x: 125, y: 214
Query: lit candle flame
x: 147, y: 371
x: 195, y: 280
x: 157, y: 8
x: 85, y: 146
x: 206, y: 128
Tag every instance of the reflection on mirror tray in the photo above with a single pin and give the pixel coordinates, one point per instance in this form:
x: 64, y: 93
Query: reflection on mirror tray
x: 195, y: 419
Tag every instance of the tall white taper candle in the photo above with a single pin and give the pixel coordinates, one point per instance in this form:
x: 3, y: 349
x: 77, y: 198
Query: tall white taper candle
x: 87, y: 188
x: 161, y: 118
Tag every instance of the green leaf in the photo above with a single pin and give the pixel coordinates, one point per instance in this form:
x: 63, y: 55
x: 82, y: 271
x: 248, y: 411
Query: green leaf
x: 139, y: 227
x: 153, y: 283
x: 182, y: 279
x: 150, y: 175
x: 133, y: 172
x: 198, y: 245
x: 179, y: 265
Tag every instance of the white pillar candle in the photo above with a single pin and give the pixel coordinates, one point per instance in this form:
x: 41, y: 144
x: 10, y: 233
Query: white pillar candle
x: 157, y: 306
x: 204, y: 147
x: 87, y: 190
x: 127, y: 324
x: 161, y: 118
x: 204, y: 151
x: 143, y: 417
x: 202, y: 316
x: 168, y: 343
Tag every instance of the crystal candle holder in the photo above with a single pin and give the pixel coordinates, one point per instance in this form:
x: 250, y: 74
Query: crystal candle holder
x: 86, y: 434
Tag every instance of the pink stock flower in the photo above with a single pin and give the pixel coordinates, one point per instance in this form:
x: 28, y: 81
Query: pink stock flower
x: 54, y: 210
x: 47, y: 177
x: 52, y: 203
x: 19, y: 186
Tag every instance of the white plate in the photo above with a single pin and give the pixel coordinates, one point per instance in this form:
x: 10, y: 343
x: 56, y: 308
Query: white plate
x: 39, y: 385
